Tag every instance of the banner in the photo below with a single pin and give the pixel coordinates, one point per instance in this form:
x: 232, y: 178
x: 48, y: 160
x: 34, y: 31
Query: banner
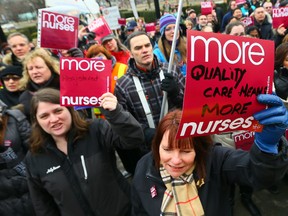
x: 83, y: 81
x: 280, y: 16
x: 57, y: 31
x: 111, y: 15
x: 240, y: 2
x: 224, y: 76
x: 206, y: 8
x: 100, y: 27
x: 122, y: 21
x: 150, y: 27
x: 247, y: 21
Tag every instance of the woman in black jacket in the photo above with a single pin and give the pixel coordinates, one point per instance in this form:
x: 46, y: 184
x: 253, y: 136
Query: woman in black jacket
x: 72, y: 168
x: 191, y: 176
x: 14, y: 134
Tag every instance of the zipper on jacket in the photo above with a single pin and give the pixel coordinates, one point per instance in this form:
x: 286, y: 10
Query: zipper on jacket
x: 84, y: 167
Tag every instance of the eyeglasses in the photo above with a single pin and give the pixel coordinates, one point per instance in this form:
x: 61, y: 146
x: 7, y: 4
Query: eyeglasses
x: 14, y: 78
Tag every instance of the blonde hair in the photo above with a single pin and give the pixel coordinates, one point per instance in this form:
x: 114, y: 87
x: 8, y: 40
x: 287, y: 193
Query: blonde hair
x: 51, y: 62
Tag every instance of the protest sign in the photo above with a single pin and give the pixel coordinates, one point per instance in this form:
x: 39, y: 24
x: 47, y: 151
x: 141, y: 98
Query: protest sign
x: 280, y: 16
x: 83, y: 81
x: 248, y: 21
x: 57, y: 31
x: 224, y: 76
x: 100, y: 27
x: 111, y: 15
x: 240, y: 2
x: 122, y: 21
x: 150, y: 27
x: 243, y: 140
x: 206, y: 8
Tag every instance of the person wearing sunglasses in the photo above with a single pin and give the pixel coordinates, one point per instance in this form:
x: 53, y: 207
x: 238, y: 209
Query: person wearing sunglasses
x: 10, y: 77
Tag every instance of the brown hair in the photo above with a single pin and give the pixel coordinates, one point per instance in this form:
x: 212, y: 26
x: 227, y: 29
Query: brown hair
x: 201, y: 145
x: 165, y: 48
x: 96, y: 49
x: 280, y: 54
x: 51, y: 62
x: 38, y: 137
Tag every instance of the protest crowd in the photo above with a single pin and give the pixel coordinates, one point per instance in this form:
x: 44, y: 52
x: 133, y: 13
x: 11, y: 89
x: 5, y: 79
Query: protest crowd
x: 61, y: 157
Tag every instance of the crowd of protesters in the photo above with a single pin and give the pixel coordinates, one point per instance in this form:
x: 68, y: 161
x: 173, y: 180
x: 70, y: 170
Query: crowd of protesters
x: 57, y: 160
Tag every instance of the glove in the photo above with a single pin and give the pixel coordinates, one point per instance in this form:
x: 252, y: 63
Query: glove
x: 275, y: 122
x: 169, y: 85
x: 75, y: 52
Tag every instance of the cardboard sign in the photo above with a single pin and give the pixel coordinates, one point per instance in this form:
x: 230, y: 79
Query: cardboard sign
x: 57, y: 31
x: 150, y: 27
x: 122, y: 21
x: 280, y: 16
x: 83, y: 81
x: 100, y: 27
x: 243, y: 140
x: 111, y: 15
x: 224, y: 76
x: 206, y: 8
x: 247, y: 21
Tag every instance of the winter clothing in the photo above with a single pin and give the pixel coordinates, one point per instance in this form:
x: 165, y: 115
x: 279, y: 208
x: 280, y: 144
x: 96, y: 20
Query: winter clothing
x: 91, y: 159
x: 128, y: 97
x: 10, y: 98
x: 121, y: 56
x: 161, y: 58
x: 11, y: 59
x: 14, y: 194
x: 281, y: 84
x: 224, y: 167
x: 131, y: 25
x: 265, y: 28
x: 166, y: 20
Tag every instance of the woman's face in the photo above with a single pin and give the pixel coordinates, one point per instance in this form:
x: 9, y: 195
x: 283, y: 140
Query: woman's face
x: 169, y: 32
x: 254, y: 33
x: 54, y: 119
x: 11, y: 82
x: 285, y: 62
x: 175, y: 161
x: 38, y: 71
x: 111, y: 45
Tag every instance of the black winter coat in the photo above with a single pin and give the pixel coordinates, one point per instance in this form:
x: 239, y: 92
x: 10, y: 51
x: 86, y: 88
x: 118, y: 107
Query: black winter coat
x: 14, y: 194
x: 105, y: 188
x: 224, y: 167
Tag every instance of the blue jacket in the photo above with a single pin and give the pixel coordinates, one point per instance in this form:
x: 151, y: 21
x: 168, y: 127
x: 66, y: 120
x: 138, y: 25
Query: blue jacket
x: 162, y: 58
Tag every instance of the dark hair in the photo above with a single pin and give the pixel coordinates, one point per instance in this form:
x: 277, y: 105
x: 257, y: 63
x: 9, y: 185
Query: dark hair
x: 135, y: 34
x: 38, y: 137
x: 280, y: 54
x: 230, y: 26
x: 201, y: 145
x: 252, y: 28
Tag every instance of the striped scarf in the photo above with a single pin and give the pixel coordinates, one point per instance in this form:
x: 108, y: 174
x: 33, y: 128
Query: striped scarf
x: 181, y: 196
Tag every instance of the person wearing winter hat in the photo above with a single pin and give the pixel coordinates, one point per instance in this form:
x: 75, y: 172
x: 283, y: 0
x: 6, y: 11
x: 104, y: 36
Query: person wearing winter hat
x: 116, y: 48
x: 10, y: 77
x: 163, y: 49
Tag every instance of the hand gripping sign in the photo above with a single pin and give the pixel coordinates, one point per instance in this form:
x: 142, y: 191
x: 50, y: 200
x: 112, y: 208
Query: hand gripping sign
x: 83, y: 81
x: 224, y: 76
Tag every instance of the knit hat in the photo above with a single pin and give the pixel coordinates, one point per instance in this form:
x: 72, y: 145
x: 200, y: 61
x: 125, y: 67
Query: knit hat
x: 166, y: 20
x: 11, y: 70
x: 107, y: 37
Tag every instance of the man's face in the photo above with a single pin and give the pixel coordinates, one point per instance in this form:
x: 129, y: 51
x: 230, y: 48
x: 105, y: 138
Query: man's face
x: 192, y: 15
x: 142, y: 51
x: 19, y: 46
x: 259, y: 14
x: 268, y: 7
x: 202, y: 20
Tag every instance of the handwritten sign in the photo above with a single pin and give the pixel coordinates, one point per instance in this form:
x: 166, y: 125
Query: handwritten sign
x: 83, y: 81
x: 280, y: 16
x: 57, y: 31
x: 224, y: 76
x: 100, y: 27
x: 206, y: 8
